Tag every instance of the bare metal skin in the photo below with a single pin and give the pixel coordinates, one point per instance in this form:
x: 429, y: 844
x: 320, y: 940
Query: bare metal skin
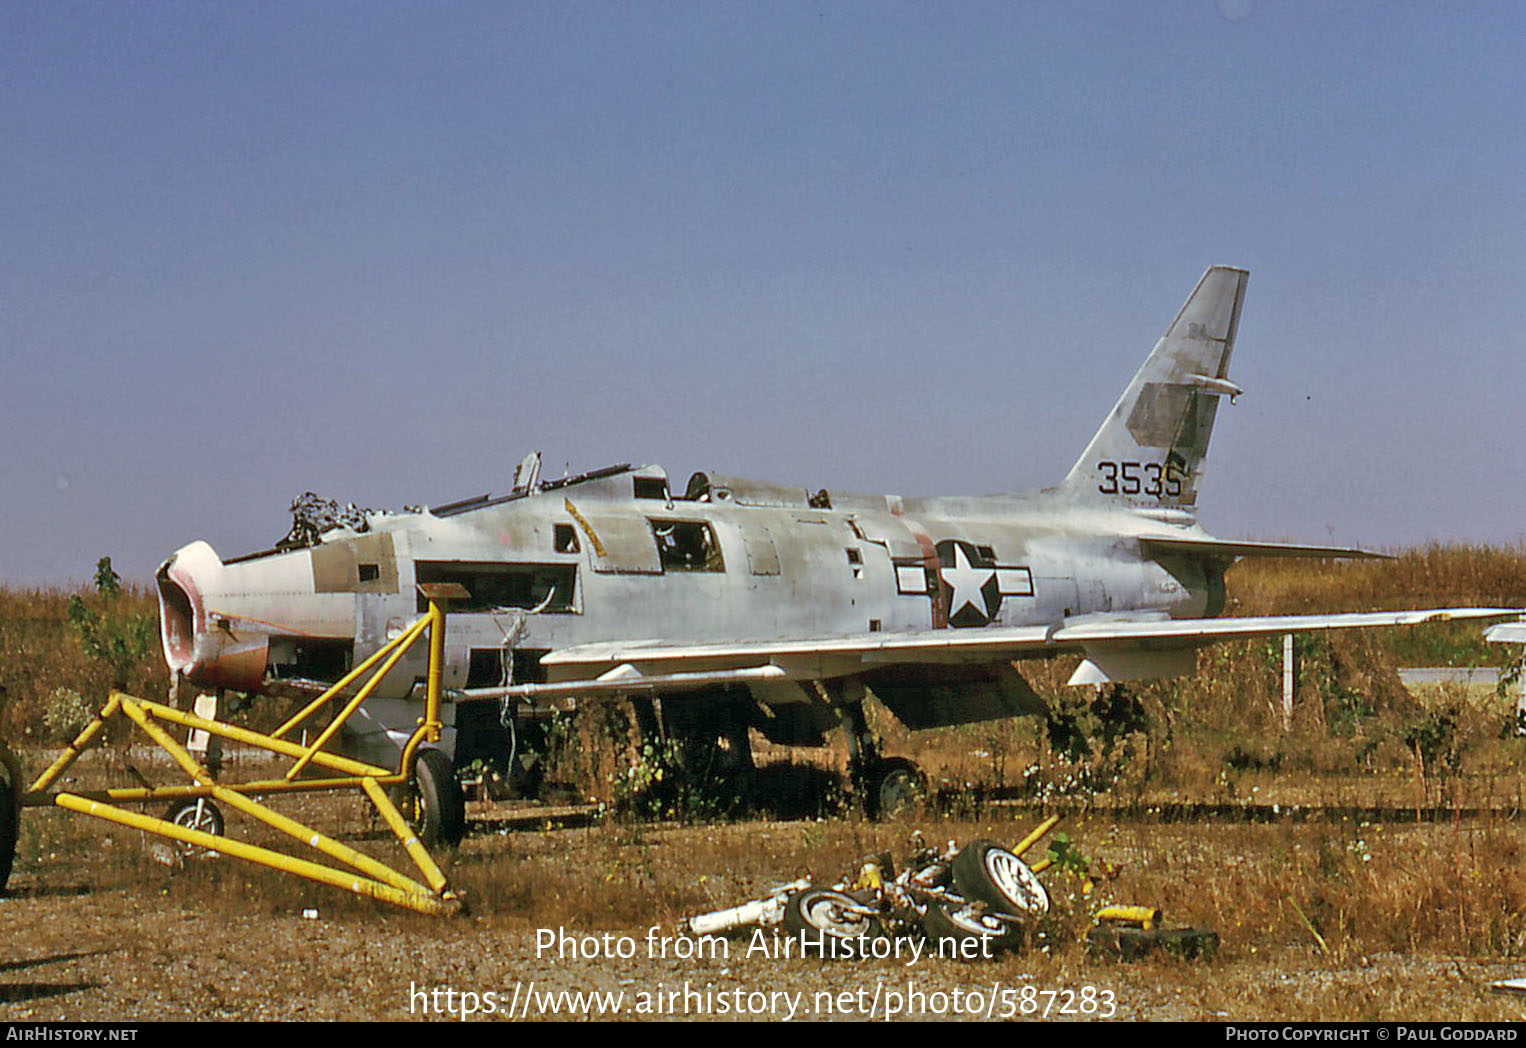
x: 740, y: 604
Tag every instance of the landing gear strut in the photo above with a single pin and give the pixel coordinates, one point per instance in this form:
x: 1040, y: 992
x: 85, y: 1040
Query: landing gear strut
x: 888, y: 785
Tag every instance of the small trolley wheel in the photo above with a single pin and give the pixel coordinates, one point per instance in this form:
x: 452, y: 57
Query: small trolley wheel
x: 196, y: 813
x: 986, y: 871
x: 435, y: 805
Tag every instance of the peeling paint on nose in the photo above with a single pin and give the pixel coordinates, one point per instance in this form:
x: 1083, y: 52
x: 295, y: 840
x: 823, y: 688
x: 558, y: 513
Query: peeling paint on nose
x: 196, y: 644
x: 182, y: 615
x: 177, y: 623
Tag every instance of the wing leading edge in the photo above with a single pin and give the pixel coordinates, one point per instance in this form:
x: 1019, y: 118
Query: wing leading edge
x: 1115, y: 649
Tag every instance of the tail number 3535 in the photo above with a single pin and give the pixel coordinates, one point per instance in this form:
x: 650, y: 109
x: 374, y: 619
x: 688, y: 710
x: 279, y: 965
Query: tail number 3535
x: 1155, y: 479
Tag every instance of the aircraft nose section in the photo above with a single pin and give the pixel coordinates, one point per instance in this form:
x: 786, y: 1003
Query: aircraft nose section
x: 182, y: 611
x: 196, y: 645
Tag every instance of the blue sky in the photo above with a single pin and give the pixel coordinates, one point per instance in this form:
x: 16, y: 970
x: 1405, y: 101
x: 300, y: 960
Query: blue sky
x: 380, y: 251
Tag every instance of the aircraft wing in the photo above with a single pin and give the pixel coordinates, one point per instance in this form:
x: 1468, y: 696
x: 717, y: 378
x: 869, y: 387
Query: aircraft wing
x: 1115, y: 648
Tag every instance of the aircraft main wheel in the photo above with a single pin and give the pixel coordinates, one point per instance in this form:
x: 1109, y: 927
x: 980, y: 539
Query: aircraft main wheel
x: 826, y: 913
x: 10, y: 813
x: 196, y: 814
x: 963, y: 931
x: 435, y: 805
x: 986, y: 871
x: 896, y: 787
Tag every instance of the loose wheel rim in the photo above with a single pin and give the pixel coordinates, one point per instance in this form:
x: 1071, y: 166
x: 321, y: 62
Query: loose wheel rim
x: 1016, y: 881
x: 969, y: 919
x: 827, y: 913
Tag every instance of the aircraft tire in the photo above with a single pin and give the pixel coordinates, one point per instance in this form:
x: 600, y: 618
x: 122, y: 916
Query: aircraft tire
x: 436, y: 807
x: 10, y: 813
x: 826, y: 913
x: 196, y: 814
x: 896, y: 787
x: 986, y: 871
x: 953, y: 923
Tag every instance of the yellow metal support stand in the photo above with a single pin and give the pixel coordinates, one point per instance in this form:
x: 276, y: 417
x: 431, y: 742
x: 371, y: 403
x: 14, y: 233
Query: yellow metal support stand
x: 365, y: 875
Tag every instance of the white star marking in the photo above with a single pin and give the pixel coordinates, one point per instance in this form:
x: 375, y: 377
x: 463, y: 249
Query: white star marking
x: 966, y: 581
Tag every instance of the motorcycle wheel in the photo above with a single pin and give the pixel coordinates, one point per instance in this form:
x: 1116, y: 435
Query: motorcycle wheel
x: 828, y: 914
x: 986, y: 871
x: 961, y: 931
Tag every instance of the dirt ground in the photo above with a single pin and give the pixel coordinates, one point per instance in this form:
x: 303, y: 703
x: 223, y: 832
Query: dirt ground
x: 95, y: 928
x: 130, y: 955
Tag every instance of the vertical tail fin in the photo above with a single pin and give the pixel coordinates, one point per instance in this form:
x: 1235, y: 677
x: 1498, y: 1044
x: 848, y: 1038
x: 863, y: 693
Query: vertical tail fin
x: 1149, y: 452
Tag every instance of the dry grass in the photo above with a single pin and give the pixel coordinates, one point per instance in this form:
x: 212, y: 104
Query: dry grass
x: 1329, y: 903
x: 1340, y: 888
x: 1335, y: 920
x: 1336, y: 892
x: 1432, y: 576
x: 40, y: 655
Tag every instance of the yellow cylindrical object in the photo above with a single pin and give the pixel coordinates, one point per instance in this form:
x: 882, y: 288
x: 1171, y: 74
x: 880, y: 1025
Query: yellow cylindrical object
x: 327, y: 845
x: 359, y: 697
x: 177, y: 753
x: 402, y: 640
x: 255, y: 787
x: 420, y: 903
x: 400, y: 828
x: 436, y: 671
x: 1146, y: 917
x: 284, y: 747
x: 74, y: 749
x: 1033, y: 838
x: 236, y: 800
x: 375, y: 879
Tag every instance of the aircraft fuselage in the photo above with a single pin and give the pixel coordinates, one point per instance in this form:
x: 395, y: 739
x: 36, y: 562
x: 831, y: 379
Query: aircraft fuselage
x: 738, y: 605
x: 614, y: 557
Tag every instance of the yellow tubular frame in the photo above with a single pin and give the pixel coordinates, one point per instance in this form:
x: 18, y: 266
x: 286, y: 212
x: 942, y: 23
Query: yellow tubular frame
x: 1033, y: 838
x: 366, y: 876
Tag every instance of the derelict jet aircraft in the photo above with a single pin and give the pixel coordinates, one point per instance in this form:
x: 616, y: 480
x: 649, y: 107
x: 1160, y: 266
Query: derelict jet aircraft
x: 740, y: 605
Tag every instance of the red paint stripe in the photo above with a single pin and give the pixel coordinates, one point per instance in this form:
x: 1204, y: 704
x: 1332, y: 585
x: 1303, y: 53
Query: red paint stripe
x: 931, y: 565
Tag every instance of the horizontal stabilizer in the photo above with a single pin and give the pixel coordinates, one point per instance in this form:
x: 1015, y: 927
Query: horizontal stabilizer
x: 1166, y: 546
